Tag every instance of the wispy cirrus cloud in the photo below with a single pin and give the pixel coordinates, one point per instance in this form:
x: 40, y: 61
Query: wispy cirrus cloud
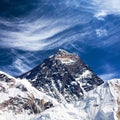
x: 107, y: 76
x: 104, y: 8
x: 109, y: 72
x: 21, y: 66
x: 40, y: 33
x: 30, y: 36
x: 99, y: 7
x: 101, y: 32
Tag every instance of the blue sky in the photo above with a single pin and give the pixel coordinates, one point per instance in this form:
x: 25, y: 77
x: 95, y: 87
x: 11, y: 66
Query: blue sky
x: 31, y: 30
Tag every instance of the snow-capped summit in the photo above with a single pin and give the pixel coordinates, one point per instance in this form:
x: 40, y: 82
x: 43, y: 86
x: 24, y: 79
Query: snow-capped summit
x: 66, y: 57
x: 63, y: 76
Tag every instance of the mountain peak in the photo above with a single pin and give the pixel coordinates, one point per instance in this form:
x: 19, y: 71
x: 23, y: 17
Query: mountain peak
x: 63, y: 76
x: 64, y: 52
x: 65, y: 57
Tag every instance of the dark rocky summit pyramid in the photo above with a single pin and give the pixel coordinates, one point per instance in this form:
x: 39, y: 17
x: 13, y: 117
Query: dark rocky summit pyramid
x: 63, y: 76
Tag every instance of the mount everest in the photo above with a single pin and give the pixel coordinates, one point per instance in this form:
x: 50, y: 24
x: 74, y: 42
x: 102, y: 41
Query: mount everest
x: 62, y: 87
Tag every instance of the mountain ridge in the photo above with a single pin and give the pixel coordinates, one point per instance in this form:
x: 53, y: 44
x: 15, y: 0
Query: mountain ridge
x: 19, y: 98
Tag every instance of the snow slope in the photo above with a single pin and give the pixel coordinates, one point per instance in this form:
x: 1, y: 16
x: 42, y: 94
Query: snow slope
x: 20, y: 101
x: 63, y: 112
x: 98, y: 104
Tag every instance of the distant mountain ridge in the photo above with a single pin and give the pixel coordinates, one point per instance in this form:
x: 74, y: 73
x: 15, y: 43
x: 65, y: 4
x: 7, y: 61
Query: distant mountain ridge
x: 63, y: 76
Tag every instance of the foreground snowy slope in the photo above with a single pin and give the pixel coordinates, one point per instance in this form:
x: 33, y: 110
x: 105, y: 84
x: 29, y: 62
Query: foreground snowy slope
x: 63, y: 112
x: 19, y: 100
x: 102, y: 103
x: 115, y: 87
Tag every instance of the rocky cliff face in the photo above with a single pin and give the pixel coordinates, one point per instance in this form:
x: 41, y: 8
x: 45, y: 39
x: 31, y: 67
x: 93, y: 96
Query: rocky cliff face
x: 63, y: 76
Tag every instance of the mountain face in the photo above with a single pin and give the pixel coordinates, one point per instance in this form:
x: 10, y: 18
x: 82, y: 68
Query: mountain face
x: 63, y: 76
x: 18, y: 99
x: 67, y: 89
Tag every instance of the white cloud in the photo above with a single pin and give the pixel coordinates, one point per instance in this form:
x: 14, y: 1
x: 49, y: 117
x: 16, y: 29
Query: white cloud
x: 100, y: 15
x: 35, y: 35
x: 100, y: 7
x: 30, y: 36
x: 19, y: 65
x: 101, y: 32
x: 104, y: 7
x: 109, y: 71
x: 108, y: 76
x: 40, y: 34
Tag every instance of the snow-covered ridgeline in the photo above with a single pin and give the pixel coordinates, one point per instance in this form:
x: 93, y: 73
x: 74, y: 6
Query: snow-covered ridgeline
x: 102, y: 102
x: 20, y: 100
x: 98, y: 104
